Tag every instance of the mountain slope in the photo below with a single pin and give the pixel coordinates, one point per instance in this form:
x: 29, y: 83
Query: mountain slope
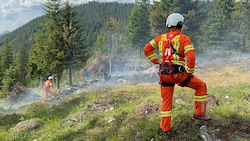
x: 91, y: 22
x: 130, y: 110
x: 3, y: 33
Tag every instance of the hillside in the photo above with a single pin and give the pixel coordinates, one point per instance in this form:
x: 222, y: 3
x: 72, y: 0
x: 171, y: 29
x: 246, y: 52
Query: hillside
x: 91, y: 26
x: 3, y: 33
x: 129, y: 110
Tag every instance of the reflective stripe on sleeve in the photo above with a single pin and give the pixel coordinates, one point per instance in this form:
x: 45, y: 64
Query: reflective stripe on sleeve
x: 188, y: 48
x: 153, y: 43
x: 151, y: 57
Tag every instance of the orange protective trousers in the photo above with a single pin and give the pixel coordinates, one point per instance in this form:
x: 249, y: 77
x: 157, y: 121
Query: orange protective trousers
x: 46, y: 87
x: 46, y: 92
x: 167, y: 97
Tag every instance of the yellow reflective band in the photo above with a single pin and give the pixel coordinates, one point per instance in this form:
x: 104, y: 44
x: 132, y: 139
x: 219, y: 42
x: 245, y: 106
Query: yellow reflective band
x: 177, y: 46
x: 190, y: 70
x: 188, y: 48
x: 181, y: 63
x: 200, y: 98
x: 153, y: 43
x: 166, y: 113
x: 177, y: 62
x: 176, y: 57
x: 151, y: 57
x: 160, y: 44
x: 164, y: 37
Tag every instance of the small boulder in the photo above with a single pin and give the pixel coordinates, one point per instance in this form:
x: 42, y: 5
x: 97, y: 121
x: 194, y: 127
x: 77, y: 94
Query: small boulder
x: 27, y: 125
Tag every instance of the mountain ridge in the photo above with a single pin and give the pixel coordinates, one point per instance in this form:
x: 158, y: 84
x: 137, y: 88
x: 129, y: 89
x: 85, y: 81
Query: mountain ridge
x: 5, y: 32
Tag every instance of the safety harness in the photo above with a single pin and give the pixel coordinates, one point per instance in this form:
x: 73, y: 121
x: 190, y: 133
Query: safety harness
x: 171, y: 68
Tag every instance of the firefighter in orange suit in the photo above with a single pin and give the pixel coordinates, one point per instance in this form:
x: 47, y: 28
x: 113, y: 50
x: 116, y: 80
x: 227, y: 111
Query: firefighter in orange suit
x: 46, y: 87
x: 177, y: 65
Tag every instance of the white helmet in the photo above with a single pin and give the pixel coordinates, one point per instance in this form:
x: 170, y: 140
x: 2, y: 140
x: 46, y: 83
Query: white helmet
x: 175, y: 19
x: 50, y: 77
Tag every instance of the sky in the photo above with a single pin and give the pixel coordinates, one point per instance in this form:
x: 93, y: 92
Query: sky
x: 16, y: 13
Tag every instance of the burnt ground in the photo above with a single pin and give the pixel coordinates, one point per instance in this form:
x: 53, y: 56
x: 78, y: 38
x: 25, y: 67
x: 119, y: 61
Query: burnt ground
x: 128, y: 72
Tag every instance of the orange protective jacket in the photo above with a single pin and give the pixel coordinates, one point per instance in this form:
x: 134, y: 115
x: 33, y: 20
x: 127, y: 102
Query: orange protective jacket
x: 182, y: 44
x: 47, y: 84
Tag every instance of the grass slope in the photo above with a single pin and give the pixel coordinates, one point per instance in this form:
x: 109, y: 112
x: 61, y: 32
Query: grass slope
x: 127, y: 112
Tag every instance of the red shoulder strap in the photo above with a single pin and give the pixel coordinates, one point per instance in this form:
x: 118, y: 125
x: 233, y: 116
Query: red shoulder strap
x: 167, y: 53
x: 168, y: 50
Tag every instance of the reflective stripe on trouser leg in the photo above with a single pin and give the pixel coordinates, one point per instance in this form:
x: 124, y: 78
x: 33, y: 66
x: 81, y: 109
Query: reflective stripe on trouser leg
x: 166, y: 110
x: 200, y: 104
x: 200, y: 95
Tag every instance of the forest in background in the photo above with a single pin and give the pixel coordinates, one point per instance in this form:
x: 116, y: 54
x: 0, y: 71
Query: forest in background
x: 217, y: 27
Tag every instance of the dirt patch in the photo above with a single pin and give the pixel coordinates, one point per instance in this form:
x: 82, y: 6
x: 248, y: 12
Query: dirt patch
x: 27, y: 125
x: 147, y: 109
x: 212, y: 101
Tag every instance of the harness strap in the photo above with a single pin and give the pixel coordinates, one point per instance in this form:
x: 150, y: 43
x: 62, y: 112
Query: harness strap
x: 167, y: 55
x: 186, y: 81
x: 165, y: 84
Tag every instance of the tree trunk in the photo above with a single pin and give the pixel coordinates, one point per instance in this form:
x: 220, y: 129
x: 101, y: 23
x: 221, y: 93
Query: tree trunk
x: 70, y: 76
x: 140, y: 50
x: 41, y: 81
x: 57, y: 80
x: 110, y: 54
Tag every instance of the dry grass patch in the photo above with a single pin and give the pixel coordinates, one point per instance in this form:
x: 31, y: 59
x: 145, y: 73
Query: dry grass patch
x: 224, y: 76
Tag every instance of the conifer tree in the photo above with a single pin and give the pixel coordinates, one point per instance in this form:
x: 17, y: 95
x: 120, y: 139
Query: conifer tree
x: 51, y: 49
x: 111, y: 27
x: 55, y: 43
x: 38, y: 65
x: 7, y: 58
x: 138, y: 30
x: 76, y: 52
x: 218, y: 26
x: 9, y: 80
x: 22, y: 65
x: 8, y: 76
x: 158, y: 14
x: 100, y: 45
x: 241, y: 30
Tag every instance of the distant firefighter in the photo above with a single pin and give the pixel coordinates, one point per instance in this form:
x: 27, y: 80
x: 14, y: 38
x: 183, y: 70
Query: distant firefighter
x: 46, y: 87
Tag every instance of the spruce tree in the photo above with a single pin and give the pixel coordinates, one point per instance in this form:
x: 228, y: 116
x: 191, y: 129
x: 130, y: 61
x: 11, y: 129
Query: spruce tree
x: 9, y: 80
x: 241, y: 30
x: 138, y: 30
x: 7, y: 58
x: 158, y: 14
x: 55, y: 43
x: 76, y: 53
x: 100, y: 45
x: 50, y: 46
x: 8, y: 76
x: 22, y: 65
x: 110, y: 29
x: 217, y: 29
x: 38, y: 62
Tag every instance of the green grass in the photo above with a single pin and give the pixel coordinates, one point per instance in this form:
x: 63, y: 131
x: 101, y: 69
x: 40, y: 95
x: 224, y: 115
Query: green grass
x: 111, y: 114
